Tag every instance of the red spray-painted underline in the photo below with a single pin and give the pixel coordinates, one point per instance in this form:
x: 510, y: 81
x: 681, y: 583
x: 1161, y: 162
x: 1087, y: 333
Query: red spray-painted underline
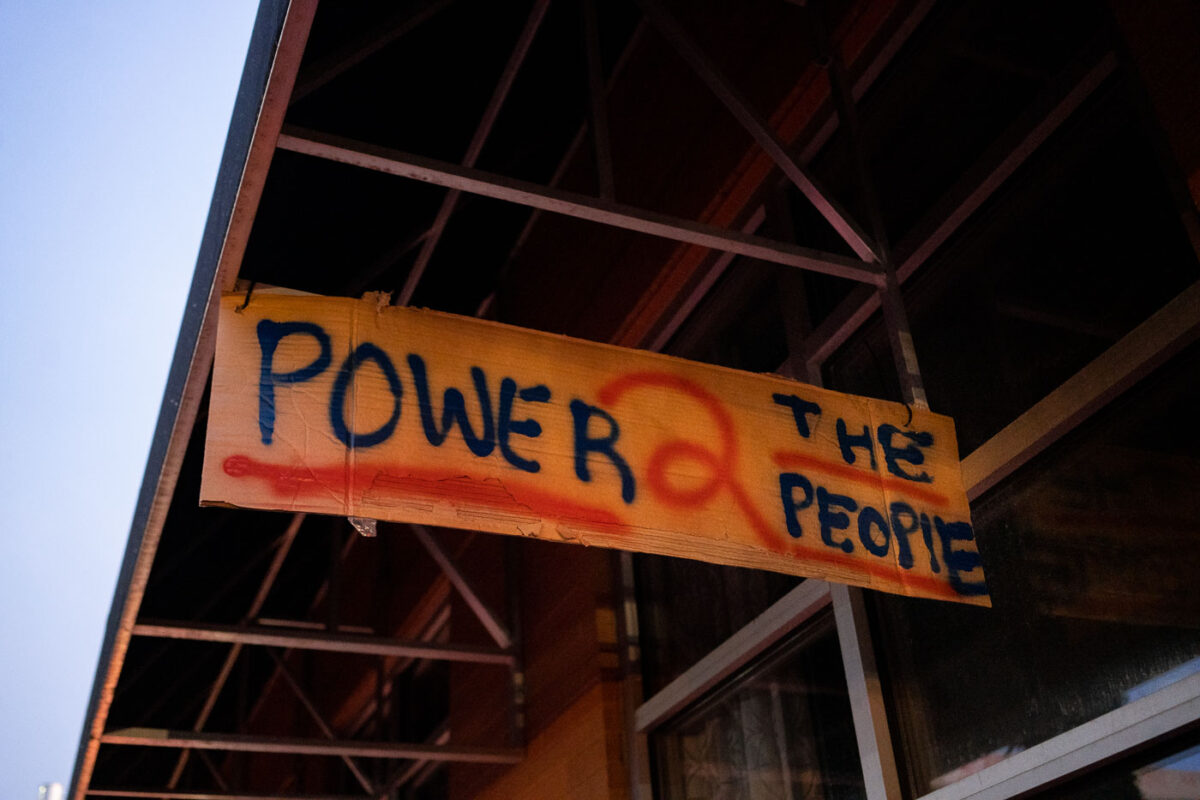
x: 394, y: 483
x: 786, y: 459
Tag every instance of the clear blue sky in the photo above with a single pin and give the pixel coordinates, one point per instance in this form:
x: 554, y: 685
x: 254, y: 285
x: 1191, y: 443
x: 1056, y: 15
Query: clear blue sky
x: 112, y: 119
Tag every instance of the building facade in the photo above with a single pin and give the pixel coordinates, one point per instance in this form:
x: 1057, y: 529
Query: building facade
x: 1025, y: 176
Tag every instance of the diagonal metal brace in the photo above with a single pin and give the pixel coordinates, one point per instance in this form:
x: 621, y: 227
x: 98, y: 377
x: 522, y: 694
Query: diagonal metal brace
x: 837, y: 216
x: 478, y: 139
x: 290, y: 679
x: 487, y: 617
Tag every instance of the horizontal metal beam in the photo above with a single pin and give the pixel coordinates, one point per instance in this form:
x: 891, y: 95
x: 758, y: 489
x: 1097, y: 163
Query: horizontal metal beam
x: 176, y: 795
x: 309, y: 625
x: 321, y: 640
x: 605, y: 212
x: 244, y: 743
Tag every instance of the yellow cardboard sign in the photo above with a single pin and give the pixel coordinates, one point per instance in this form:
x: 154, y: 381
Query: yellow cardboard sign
x: 352, y: 407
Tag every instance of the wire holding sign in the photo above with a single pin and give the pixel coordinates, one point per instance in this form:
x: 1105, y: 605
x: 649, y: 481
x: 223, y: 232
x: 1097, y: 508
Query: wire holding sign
x: 349, y: 407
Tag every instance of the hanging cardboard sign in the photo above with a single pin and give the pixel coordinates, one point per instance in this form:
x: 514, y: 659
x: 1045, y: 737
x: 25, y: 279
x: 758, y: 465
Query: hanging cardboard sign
x: 355, y: 408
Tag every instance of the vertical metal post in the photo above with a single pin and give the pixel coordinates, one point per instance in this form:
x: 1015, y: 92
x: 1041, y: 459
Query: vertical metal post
x: 380, y: 714
x: 637, y: 755
x: 381, y: 698
x: 242, y: 710
x: 895, y: 317
x: 333, y: 599
x: 792, y: 289
x: 596, y: 101
x: 867, y: 704
x: 512, y: 589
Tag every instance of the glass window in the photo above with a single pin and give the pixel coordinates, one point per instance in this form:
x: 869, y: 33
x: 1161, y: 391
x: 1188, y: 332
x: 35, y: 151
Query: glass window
x: 781, y: 730
x: 686, y: 608
x: 1090, y: 552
